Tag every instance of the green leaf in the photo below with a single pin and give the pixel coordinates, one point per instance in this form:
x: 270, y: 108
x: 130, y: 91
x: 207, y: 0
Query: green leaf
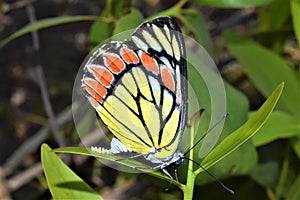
x: 295, y: 11
x: 266, y: 179
x: 129, y: 163
x: 277, y: 21
x: 242, y: 134
x: 296, y: 145
x: 99, y: 32
x: 240, y: 162
x: 208, y: 91
x: 45, y: 23
x: 267, y: 70
x: 62, y: 181
x: 102, y: 30
x: 243, y: 159
x: 232, y: 3
x: 294, y: 192
x: 268, y: 17
x: 279, y: 125
x: 129, y: 21
x: 196, y: 24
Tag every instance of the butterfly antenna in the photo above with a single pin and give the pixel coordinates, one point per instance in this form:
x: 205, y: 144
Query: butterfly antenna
x: 211, y: 175
x: 208, y: 131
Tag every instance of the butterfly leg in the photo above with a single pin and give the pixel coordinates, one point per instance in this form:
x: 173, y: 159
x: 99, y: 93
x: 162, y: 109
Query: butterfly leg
x: 169, y: 175
x: 176, y: 176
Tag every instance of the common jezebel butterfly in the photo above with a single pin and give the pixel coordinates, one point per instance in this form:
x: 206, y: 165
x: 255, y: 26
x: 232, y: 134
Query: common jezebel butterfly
x: 138, y: 87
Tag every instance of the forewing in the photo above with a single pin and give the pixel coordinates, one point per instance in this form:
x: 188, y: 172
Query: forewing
x: 162, y: 40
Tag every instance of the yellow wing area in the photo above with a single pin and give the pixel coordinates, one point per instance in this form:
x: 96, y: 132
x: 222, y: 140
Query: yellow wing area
x: 135, y: 115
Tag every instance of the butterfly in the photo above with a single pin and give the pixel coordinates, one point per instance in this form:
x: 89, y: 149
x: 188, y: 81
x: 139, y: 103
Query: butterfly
x: 138, y: 88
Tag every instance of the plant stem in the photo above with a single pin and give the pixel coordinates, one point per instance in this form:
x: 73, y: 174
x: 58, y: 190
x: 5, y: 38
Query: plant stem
x: 191, y: 177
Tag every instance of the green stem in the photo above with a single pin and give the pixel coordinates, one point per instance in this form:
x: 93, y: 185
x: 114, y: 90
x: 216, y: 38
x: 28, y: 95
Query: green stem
x: 191, y: 177
x: 282, y: 178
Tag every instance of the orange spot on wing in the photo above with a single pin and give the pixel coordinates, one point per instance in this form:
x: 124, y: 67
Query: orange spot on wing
x: 94, y: 103
x: 167, y: 78
x: 114, y: 62
x: 129, y: 56
x: 149, y: 62
x: 103, y: 75
x: 96, y: 97
x: 96, y: 88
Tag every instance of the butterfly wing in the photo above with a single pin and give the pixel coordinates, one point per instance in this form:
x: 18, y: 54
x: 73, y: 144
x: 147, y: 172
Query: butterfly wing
x: 162, y: 39
x: 138, y: 90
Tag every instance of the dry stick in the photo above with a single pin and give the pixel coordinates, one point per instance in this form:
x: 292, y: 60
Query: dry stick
x: 4, y: 194
x: 19, y: 4
x: 40, y: 75
x: 31, y: 144
x: 24, y: 177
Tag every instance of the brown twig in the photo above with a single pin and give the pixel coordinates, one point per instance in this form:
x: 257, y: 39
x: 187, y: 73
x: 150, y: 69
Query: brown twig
x: 18, y: 4
x: 33, y: 143
x: 41, y: 80
x: 24, y: 177
x: 3, y: 186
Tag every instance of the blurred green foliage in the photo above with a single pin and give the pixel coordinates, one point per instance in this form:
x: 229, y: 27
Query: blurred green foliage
x: 259, y: 50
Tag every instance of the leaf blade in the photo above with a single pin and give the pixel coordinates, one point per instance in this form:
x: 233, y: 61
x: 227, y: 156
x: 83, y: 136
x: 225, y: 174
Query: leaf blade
x: 295, y: 11
x: 45, y: 23
x: 243, y: 133
x: 62, y: 181
x: 232, y: 3
x: 267, y: 69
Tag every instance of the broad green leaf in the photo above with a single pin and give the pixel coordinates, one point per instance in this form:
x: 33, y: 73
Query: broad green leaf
x: 295, y: 11
x: 276, y: 21
x: 237, y: 106
x: 243, y: 159
x: 45, y: 23
x: 268, y: 17
x: 294, y: 192
x: 99, y: 32
x: 129, y: 21
x: 266, y: 69
x: 279, y: 125
x: 266, y: 179
x: 296, y: 145
x: 217, y: 98
x: 232, y: 3
x: 195, y: 23
x: 62, y: 181
x: 240, y: 162
x: 130, y: 163
x: 102, y: 30
x: 242, y: 134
